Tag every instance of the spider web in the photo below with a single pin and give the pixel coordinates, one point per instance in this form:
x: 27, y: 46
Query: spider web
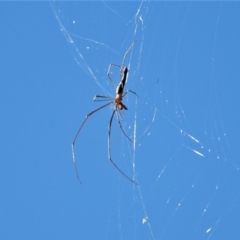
x: 181, y: 155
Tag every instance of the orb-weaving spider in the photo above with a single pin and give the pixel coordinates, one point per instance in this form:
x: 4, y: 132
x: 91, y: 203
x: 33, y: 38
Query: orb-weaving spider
x: 117, y: 101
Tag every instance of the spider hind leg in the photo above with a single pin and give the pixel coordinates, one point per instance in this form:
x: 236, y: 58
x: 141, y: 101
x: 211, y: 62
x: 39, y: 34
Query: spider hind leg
x: 109, y: 146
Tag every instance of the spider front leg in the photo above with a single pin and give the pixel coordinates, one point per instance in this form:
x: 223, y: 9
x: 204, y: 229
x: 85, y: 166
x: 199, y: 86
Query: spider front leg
x: 109, y: 73
x: 109, y: 149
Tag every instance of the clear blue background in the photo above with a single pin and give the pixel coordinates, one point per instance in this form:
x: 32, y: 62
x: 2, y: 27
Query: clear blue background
x: 185, y: 69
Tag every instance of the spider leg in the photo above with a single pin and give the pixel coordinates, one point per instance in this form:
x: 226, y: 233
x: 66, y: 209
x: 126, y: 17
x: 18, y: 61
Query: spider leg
x: 119, y: 122
x: 109, y: 73
x: 120, y: 125
x: 109, y: 150
x: 130, y: 92
x: 126, y: 53
x: 76, y: 136
x: 99, y: 98
x: 116, y: 65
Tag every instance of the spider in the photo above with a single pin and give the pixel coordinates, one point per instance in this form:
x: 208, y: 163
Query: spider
x: 117, y: 101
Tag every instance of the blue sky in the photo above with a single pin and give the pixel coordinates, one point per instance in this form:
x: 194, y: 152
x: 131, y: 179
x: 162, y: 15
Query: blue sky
x: 184, y: 67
